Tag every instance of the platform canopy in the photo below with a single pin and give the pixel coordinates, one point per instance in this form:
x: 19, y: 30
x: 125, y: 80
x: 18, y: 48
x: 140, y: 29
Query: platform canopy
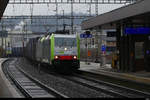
x: 138, y: 10
x: 3, y: 4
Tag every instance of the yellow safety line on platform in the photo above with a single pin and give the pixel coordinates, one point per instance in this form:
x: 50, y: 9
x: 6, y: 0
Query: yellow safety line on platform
x: 137, y: 78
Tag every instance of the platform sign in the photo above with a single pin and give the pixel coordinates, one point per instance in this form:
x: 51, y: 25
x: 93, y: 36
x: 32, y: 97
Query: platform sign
x: 103, y: 48
x: 89, y: 53
x: 84, y: 35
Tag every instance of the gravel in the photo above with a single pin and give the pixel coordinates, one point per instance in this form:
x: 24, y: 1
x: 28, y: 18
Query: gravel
x: 60, y: 84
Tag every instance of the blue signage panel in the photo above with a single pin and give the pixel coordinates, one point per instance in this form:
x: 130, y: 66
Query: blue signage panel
x: 103, y: 48
x: 138, y: 30
x: 85, y: 35
x: 82, y: 36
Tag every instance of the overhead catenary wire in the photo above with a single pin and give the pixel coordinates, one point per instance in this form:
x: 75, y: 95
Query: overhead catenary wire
x: 31, y: 11
x: 56, y: 17
x: 67, y: 1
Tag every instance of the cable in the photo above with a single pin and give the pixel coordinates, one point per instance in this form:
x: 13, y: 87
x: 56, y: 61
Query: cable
x: 31, y: 10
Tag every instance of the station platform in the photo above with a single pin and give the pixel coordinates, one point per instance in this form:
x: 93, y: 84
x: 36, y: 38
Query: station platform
x: 142, y: 77
x: 6, y: 88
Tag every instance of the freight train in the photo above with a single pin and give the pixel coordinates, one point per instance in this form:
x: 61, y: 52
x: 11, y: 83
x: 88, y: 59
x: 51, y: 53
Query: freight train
x: 60, y: 51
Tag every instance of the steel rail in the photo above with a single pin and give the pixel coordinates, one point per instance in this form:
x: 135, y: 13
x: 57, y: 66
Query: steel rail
x: 129, y: 90
x: 49, y: 89
x: 104, y: 90
x: 18, y: 85
x: 27, y: 93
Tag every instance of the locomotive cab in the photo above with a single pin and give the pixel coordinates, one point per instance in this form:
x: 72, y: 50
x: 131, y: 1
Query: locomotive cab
x: 66, y: 51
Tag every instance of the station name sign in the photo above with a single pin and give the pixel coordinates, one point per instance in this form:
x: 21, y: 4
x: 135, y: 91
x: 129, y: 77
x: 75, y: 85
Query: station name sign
x: 138, y: 30
x: 87, y: 34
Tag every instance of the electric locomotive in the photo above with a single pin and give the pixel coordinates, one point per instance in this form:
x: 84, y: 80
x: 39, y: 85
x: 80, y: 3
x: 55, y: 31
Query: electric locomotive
x: 60, y: 51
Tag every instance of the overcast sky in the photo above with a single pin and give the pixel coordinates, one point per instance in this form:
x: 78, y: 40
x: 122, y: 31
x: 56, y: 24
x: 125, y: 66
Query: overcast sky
x: 48, y: 9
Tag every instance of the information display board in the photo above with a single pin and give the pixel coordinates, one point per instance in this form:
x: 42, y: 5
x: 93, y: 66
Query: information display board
x: 137, y: 30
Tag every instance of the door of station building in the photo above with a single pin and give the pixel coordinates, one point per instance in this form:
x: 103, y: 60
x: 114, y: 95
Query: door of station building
x: 142, y: 56
x: 139, y: 56
x: 147, y: 55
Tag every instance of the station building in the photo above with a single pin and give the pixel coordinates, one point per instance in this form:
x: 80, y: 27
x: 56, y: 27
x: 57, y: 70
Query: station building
x: 132, y: 25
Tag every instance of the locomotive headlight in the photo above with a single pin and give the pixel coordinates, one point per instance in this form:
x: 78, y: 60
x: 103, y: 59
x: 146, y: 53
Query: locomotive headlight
x: 74, y: 57
x: 65, y: 49
x: 56, y: 57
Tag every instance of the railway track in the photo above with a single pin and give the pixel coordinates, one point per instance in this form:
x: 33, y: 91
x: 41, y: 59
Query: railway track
x: 28, y: 83
x: 109, y: 88
x: 105, y: 87
x: 29, y: 86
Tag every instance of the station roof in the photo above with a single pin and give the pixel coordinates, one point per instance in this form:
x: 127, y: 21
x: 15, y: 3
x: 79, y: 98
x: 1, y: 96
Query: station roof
x: 3, y: 4
x: 138, y: 8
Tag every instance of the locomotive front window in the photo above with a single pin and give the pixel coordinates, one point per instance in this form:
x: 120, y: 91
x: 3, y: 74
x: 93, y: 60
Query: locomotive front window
x: 65, y: 42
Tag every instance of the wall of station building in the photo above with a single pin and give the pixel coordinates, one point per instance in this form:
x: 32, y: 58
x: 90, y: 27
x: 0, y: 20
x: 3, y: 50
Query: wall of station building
x: 134, y: 49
